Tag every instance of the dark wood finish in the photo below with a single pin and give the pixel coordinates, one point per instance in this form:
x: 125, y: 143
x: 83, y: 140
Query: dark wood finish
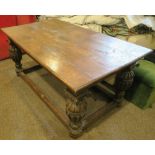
x: 79, y: 58
x: 110, y: 94
x: 123, y: 81
x: 76, y: 56
x: 16, y: 56
x: 61, y: 116
x: 76, y: 110
x: 108, y: 85
x: 151, y: 56
x: 32, y: 69
x: 98, y: 114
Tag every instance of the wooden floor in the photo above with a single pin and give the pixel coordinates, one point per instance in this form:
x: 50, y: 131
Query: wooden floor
x: 24, y: 116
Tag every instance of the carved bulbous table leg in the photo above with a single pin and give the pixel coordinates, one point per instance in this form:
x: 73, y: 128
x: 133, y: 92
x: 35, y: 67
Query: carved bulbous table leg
x: 16, y: 55
x: 123, y: 82
x: 76, y: 110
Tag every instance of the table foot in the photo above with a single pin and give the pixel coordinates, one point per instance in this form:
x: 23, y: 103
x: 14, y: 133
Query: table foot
x: 123, y: 82
x: 16, y: 56
x: 76, y: 109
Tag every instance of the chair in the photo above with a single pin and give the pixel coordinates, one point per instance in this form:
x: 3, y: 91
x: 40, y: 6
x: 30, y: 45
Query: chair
x: 142, y: 92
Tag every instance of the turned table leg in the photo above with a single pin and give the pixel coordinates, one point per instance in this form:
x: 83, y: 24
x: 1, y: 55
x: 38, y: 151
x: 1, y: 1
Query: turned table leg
x: 16, y: 56
x: 123, y: 82
x: 76, y: 109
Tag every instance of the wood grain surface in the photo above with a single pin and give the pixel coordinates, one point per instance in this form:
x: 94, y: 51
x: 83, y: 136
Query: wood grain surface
x: 78, y: 57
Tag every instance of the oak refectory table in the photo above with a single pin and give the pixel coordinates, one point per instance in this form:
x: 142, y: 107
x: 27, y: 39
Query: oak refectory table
x: 77, y: 57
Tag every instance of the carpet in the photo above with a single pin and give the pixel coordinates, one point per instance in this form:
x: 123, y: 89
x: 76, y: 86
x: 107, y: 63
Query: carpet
x: 24, y: 116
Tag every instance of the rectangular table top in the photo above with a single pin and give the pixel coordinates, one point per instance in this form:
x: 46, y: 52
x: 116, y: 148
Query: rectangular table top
x: 76, y: 56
